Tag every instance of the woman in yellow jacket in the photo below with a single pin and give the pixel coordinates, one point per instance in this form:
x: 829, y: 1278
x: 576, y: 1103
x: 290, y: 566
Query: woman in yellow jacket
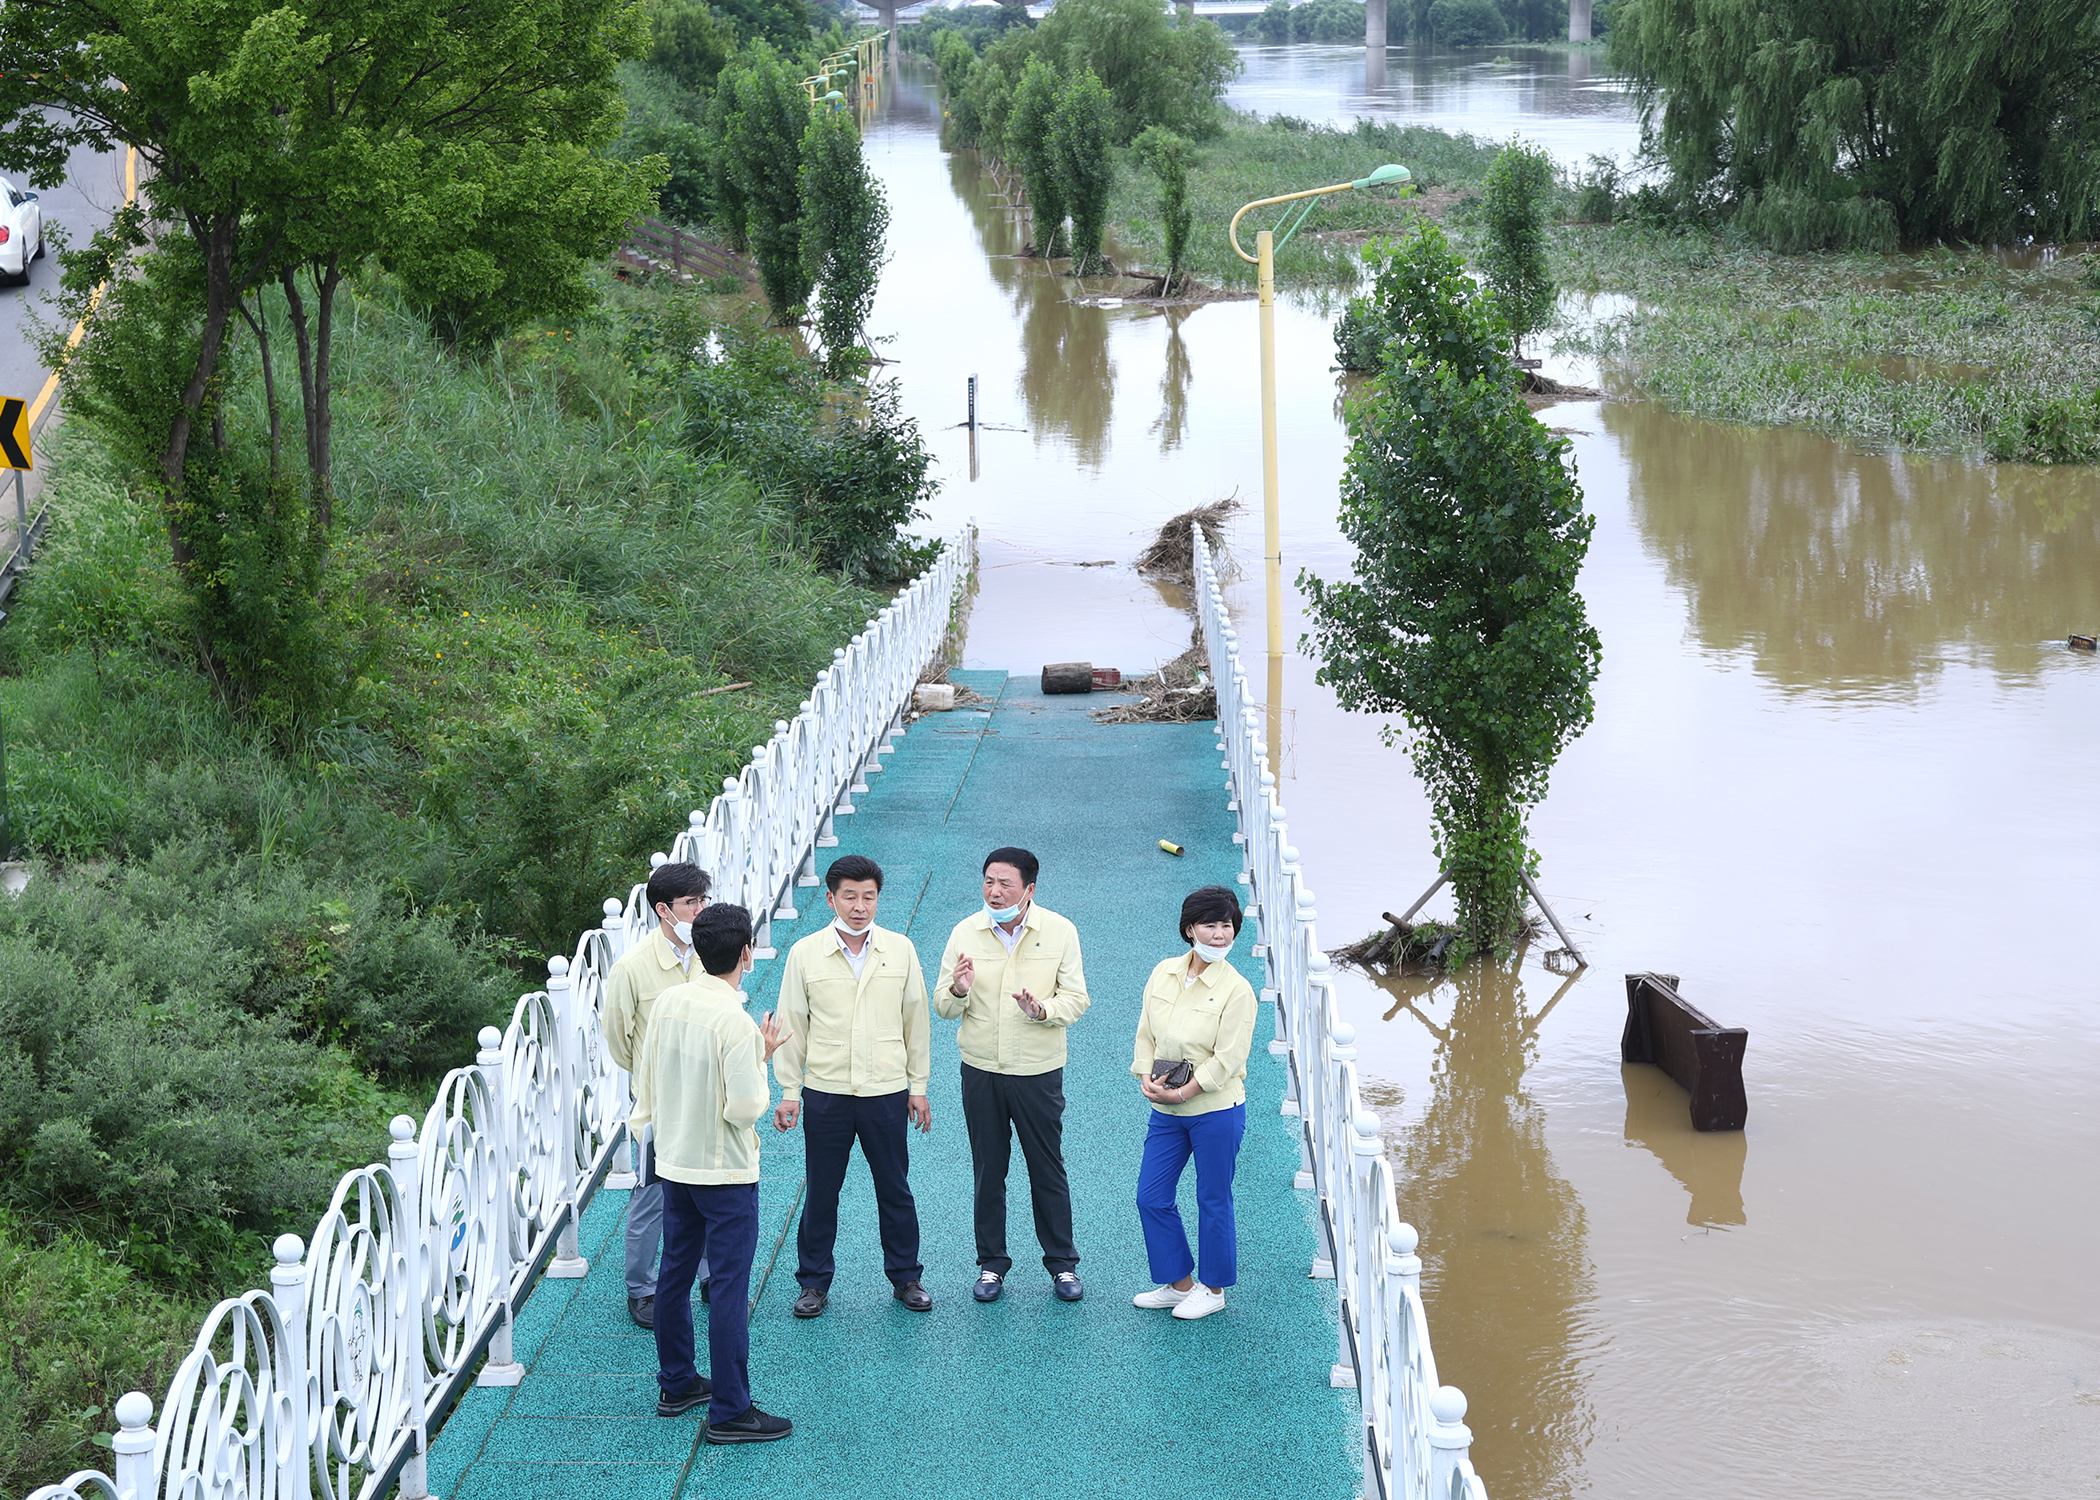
x: 1198, y: 1012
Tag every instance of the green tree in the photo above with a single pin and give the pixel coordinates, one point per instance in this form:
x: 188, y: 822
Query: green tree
x: 1853, y: 122
x: 761, y: 133
x: 1082, y: 138
x: 1513, y: 261
x: 1467, y: 23
x: 689, y: 42
x: 1160, y: 68
x: 844, y: 221
x: 1462, y: 617
x: 956, y: 61
x: 1028, y: 133
x: 1167, y: 155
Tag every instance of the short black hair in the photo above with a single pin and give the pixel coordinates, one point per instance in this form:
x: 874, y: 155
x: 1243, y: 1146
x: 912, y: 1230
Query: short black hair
x: 1020, y: 859
x: 852, y: 867
x: 720, y: 936
x: 1210, y: 903
x: 676, y: 878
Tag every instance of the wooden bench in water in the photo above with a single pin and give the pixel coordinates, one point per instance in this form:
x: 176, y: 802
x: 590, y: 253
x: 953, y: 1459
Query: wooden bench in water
x: 1665, y: 1029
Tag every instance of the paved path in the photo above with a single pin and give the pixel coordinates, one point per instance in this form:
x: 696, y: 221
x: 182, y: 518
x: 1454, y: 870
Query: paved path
x: 1027, y: 1397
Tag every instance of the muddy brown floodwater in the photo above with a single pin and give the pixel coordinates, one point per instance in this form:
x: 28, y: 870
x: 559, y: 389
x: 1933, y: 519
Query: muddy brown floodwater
x: 1841, y: 780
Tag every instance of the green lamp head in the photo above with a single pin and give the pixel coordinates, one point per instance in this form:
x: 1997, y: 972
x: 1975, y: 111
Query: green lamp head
x: 1391, y: 172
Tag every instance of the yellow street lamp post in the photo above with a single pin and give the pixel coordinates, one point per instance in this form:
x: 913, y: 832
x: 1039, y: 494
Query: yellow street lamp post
x: 1266, y: 244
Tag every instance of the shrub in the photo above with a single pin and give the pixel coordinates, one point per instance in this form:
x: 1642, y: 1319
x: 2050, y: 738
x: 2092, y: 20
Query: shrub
x: 1466, y: 23
x: 1513, y: 261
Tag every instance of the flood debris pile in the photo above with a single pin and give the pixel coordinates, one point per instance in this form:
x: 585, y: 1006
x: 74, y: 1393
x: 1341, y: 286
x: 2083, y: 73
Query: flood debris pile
x: 1171, y: 556
x: 957, y: 695
x: 1180, y: 692
x: 1418, y: 946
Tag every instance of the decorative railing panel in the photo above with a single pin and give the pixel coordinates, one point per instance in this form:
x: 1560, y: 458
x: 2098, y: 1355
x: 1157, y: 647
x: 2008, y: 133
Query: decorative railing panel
x: 1415, y: 1442
x: 325, y: 1386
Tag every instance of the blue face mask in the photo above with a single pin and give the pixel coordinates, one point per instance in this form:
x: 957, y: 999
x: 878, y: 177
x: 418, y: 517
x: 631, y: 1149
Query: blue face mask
x: 1003, y: 915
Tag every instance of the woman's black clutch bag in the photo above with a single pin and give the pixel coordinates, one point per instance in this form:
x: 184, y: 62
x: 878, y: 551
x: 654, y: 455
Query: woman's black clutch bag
x: 1172, y: 1073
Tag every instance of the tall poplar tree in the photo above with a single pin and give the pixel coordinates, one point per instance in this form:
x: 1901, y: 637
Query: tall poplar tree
x: 844, y: 221
x: 1028, y: 137
x: 1082, y: 139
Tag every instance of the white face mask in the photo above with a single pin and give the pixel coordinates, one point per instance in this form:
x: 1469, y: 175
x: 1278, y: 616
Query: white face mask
x: 840, y: 924
x: 683, y: 931
x: 1212, y: 955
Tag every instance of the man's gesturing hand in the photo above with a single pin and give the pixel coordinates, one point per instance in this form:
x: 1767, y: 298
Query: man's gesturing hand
x: 1025, y: 998
x: 965, y: 975
x: 772, y: 1033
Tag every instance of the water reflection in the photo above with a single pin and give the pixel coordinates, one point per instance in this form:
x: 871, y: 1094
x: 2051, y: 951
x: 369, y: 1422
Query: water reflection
x: 1709, y: 1164
x: 1843, y: 571
x: 1067, y: 380
x: 1174, y: 380
x: 1507, y: 1266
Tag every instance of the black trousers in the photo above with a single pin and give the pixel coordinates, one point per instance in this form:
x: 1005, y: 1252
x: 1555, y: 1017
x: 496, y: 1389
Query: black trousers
x: 831, y: 1123
x: 996, y: 1108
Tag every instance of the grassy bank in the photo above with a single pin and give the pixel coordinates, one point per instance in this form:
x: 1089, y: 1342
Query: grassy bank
x: 239, y: 955
x: 1257, y: 158
x: 1946, y: 351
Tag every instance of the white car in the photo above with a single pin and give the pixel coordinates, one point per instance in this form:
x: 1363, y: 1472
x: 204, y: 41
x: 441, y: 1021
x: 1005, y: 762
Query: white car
x: 21, y: 232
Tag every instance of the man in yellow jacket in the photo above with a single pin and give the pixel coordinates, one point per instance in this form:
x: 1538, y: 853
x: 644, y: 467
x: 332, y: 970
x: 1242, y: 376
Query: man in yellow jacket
x: 677, y: 894
x: 854, y: 998
x: 700, y: 1086
x: 1011, y: 974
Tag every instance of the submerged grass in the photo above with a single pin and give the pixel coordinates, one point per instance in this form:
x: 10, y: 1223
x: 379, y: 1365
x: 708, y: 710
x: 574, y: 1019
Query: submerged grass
x: 1257, y: 158
x: 1949, y: 351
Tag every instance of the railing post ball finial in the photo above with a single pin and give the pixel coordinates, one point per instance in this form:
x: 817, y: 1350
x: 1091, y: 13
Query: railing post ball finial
x: 401, y: 1128
x: 807, y: 707
x: 659, y: 858
x: 133, y: 1445
x: 491, y: 1046
x: 1449, y: 1437
x: 1404, y: 1239
x: 780, y: 726
x: 1316, y: 963
x: 1400, y: 1258
x: 758, y: 752
x: 611, y: 906
x: 1368, y: 1141
x: 557, y: 971
x: 1342, y: 1034
x: 288, y: 1249
x: 696, y: 819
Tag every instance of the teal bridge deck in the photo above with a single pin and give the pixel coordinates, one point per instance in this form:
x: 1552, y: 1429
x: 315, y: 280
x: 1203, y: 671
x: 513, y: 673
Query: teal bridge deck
x: 1027, y: 1396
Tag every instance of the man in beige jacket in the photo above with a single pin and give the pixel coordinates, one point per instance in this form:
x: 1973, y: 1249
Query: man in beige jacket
x: 1012, y: 975
x: 855, y: 999
x: 700, y: 1086
x: 677, y: 894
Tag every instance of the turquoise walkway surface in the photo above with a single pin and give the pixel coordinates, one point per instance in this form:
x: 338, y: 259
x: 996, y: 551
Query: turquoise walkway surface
x: 1028, y: 1396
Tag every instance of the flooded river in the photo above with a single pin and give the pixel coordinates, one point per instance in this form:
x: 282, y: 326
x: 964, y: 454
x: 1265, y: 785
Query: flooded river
x: 1841, y: 780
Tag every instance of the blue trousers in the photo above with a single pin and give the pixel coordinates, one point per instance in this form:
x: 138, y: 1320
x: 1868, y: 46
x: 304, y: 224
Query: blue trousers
x: 831, y: 1123
x: 1214, y: 1140
x: 720, y: 1223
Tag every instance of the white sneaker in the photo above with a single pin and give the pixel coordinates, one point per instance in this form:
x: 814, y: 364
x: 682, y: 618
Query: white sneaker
x: 1199, y: 1302
x: 1159, y: 1296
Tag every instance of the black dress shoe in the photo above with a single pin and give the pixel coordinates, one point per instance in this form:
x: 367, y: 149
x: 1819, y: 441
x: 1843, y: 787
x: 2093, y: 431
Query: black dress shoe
x: 989, y: 1285
x: 812, y: 1302
x: 1068, y: 1285
x: 914, y: 1296
x: 668, y: 1405
x: 754, y: 1426
x: 643, y: 1311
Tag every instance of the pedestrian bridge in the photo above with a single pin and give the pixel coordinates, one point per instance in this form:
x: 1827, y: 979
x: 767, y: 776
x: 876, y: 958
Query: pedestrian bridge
x: 458, y: 1326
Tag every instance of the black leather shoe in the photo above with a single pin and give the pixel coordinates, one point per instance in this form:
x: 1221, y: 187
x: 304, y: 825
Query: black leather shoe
x: 703, y: 1294
x: 989, y: 1285
x: 1068, y: 1285
x: 811, y: 1303
x: 668, y: 1405
x: 754, y: 1426
x: 914, y: 1296
x: 643, y: 1311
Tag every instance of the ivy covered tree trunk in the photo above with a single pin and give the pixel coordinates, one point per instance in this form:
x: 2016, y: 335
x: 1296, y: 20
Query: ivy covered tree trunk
x: 1462, y: 617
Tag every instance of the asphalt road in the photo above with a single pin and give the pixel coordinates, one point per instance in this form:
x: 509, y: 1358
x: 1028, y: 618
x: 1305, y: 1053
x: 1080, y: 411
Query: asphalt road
x: 92, y: 191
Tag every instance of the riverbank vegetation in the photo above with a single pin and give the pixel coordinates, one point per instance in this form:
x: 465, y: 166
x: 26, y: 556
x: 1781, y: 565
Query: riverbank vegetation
x: 464, y: 588
x: 1450, y: 23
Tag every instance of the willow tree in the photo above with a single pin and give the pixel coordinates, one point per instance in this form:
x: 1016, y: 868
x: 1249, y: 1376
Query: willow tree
x: 1028, y: 137
x: 844, y: 221
x: 1462, y: 617
x: 1082, y: 138
x: 1849, y: 122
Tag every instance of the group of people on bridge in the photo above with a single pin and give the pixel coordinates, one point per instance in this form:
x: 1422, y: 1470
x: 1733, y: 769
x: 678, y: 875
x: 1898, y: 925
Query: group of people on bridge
x: 850, y: 1046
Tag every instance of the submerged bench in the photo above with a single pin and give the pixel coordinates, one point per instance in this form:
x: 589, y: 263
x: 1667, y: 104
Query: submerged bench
x: 1664, y: 1028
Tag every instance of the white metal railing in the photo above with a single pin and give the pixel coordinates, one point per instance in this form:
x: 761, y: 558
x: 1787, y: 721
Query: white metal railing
x: 1415, y: 1442
x: 325, y: 1385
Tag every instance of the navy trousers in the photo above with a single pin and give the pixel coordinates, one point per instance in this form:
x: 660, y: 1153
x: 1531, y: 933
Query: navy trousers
x: 721, y: 1224
x: 831, y: 1123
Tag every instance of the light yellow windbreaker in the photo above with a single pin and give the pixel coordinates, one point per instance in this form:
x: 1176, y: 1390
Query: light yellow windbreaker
x: 1209, y: 1023
x: 867, y: 1035
x: 700, y: 1082
x: 996, y: 1034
